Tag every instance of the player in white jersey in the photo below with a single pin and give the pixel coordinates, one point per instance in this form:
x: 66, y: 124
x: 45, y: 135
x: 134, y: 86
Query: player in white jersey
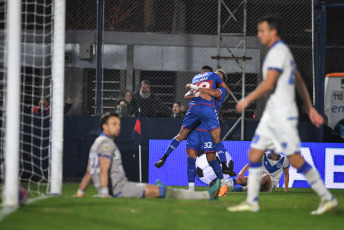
x: 277, y: 129
x: 274, y: 165
x: 108, y: 176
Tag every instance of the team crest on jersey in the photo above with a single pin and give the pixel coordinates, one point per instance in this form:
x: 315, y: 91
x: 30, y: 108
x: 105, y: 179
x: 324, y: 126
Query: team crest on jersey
x: 106, y: 147
x: 279, y: 165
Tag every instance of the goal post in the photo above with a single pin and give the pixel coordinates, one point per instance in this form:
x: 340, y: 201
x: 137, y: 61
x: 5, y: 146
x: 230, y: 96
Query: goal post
x: 32, y: 85
x: 12, y: 103
x: 58, y: 96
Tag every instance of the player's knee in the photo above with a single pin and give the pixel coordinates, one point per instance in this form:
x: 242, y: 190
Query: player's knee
x: 192, y: 154
x: 211, y: 156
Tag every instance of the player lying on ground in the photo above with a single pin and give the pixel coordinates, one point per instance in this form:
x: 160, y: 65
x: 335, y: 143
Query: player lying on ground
x: 277, y: 129
x: 201, y: 111
x: 274, y: 165
x: 108, y: 176
x: 200, y: 136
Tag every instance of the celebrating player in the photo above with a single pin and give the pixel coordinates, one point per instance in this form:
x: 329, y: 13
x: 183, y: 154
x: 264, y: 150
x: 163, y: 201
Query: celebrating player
x: 200, y: 136
x: 108, y: 176
x: 201, y: 111
x: 274, y: 165
x: 277, y: 129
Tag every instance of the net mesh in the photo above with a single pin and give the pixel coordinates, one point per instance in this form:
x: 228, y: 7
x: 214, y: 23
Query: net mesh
x: 35, y: 95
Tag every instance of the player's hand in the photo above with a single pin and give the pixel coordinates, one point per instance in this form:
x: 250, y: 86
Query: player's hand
x: 188, y: 86
x: 242, y: 104
x: 205, y: 96
x: 240, y: 175
x: 315, y: 117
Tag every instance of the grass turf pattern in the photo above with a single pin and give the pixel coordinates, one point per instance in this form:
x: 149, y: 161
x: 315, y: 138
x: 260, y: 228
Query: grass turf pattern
x: 278, y: 210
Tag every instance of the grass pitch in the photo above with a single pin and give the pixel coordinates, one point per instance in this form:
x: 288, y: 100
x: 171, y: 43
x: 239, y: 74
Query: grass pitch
x: 278, y: 210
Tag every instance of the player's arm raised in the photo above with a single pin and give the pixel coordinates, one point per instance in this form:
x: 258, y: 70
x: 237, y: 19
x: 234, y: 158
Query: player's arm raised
x: 286, y: 179
x: 267, y: 86
x: 104, y: 165
x: 301, y: 88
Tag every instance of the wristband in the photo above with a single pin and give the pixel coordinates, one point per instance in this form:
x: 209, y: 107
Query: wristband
x: 195, y: 87
x: 104, y: 191
x: 197, y: 94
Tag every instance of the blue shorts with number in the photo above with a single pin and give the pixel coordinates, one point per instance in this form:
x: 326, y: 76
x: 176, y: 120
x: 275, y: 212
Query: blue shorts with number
x: 197, y: 138
x: 201, y: 114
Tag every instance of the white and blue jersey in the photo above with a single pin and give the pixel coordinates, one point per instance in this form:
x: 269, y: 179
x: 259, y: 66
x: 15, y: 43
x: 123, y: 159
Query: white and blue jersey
x: 200, y: 110
x: 200, y: 136
x: 274, y: 167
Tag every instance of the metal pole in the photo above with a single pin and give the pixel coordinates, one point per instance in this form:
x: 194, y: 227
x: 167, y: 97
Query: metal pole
x: 58, y: 96
x: 243, y: 73
x: 140, y: 162
x: 10, y: 192
x: 100, y: 29
x: 313, y: 52
x: 218, y: 31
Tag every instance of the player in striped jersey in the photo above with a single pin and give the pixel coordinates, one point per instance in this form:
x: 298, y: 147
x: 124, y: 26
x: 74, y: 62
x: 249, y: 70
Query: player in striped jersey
x: 274, y: 165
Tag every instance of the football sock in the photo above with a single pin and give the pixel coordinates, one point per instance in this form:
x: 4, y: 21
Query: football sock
x: 221, y: 151
x: 230, y: 182
x: 253, y: 184
x: 191, y: 186
x: 183, y: 194
x: 172, y: 146
x: 217, y: 168
x: 314, y: 180
x: 191, y: 169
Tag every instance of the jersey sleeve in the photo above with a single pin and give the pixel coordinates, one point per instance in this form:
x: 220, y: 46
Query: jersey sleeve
x: 218, y: 80
x: 105, y: 149
x: 223, y: 92
x: 275, y: 60
x: 286, y: 163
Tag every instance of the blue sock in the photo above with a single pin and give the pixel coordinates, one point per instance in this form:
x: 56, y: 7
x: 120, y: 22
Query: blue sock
x: 162, y: 190
x: 217, y: 168
x: 234, y: 182
x: 172, y: 146
x: 221, y: 151
x: 304, y: 168
x: 191, y: 169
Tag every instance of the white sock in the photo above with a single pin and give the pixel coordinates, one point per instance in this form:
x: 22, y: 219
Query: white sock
x: 228, y: 182
x: 183, y: 194
x: 191, y: 186
x: 253, y: 184
x: 317, y: 184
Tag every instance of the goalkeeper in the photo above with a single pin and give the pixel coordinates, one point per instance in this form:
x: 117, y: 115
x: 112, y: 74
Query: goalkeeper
x: 106, y: 171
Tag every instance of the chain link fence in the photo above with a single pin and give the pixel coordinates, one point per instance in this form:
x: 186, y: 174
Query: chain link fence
x: 167, y: 43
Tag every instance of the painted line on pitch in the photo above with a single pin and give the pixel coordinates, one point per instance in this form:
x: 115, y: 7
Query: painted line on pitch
x: 6, y: 211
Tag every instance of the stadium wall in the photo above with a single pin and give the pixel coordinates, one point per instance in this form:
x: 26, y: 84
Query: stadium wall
x: 327, y: 157
x: 81, y: 131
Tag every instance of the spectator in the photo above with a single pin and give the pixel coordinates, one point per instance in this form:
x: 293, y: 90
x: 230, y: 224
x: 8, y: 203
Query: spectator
x: 68, y: 105
x: 183, y: 109
x: 176, y: 110
x: 149, y: 104
x: 44, y: 103
x: 125, y: 106
x: 42, y: 107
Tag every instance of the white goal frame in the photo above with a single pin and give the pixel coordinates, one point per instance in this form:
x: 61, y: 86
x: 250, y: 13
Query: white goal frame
x: 13, y: 67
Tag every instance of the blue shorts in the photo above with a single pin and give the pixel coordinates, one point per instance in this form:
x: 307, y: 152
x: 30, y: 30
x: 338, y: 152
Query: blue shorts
x: 201, y: 114
x: 198, y: 138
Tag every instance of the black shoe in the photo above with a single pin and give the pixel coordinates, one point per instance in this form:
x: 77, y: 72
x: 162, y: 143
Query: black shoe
x: 231, y: 165
x: 226, y: 170
x: 212, y: 182
x: 160, y: 163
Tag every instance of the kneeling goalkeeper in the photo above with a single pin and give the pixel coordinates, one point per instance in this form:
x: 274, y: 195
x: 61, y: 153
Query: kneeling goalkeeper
x: 106, y: 171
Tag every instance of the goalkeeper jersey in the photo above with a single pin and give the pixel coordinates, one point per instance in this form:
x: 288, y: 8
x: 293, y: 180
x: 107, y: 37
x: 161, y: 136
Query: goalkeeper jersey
x: 104, y: 146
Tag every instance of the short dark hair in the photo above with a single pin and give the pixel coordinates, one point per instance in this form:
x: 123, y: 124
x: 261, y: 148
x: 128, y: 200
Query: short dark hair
x: 273, y: 23
x: 105, y: 117
x: 145, y: 82
x: 178, y: 103
x: 206, y: 67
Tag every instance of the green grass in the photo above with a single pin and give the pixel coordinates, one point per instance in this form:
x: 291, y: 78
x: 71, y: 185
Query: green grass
x: 279, y: 210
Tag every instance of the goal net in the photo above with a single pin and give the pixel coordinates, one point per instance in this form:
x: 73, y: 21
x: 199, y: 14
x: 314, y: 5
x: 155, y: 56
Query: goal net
x: 36, y: 99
